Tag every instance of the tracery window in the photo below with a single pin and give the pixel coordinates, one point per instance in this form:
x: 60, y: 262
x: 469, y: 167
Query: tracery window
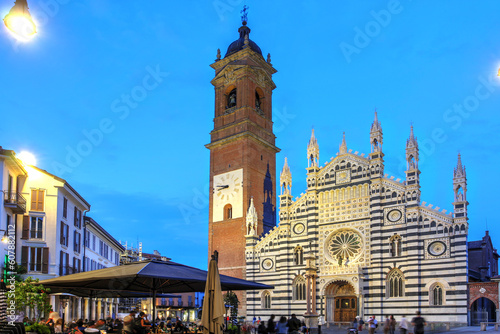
x: 299, y: 288
x: 395, y: 245
x: 395, y: 284
x: 266, y: 300
x: 298, y: 256
x: 436, y: 295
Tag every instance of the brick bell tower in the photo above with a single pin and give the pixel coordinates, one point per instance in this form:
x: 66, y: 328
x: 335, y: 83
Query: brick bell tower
x: 242, y: 152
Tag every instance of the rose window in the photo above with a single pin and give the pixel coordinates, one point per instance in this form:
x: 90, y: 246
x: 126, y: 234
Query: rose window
x: 344, y: 246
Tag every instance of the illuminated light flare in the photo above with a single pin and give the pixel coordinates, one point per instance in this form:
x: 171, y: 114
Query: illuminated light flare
x: 27, y: 158
x: 19, y: 21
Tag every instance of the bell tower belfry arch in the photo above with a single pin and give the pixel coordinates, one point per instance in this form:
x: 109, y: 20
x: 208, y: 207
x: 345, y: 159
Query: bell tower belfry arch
x: 242, y: 152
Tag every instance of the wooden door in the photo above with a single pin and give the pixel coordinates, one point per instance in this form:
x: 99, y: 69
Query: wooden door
x: 345, y: 309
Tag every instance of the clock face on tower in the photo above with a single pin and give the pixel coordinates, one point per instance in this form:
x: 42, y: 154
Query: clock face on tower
x: 228, y: 189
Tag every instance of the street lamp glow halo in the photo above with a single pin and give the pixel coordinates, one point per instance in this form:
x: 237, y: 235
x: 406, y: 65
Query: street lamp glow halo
x: 27, y: 158
x: 19, y: 21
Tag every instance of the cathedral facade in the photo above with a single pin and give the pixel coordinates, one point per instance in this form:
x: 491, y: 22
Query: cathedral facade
x: 355, y: 242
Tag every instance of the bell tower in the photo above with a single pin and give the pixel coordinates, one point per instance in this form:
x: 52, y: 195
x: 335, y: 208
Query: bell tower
x: 242, y: 152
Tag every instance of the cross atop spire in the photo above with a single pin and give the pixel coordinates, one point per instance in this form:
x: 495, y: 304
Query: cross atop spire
x: 244, y: 15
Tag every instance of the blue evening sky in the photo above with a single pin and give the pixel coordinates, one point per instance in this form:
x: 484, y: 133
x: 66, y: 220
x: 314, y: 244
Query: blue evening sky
x: 139, y: 72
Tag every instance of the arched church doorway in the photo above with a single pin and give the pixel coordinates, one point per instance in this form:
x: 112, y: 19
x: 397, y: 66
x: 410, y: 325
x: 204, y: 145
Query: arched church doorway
x: 341, y: 302
x: 482, y: 310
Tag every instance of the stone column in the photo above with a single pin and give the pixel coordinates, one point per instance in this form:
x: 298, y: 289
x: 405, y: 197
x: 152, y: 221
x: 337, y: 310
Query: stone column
x: 86, y: 314
x: 314, y: 295
x: 308, y: 294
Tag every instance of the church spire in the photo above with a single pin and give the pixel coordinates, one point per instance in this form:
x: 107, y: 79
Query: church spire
x: 459, y: 171
x: 376, y: 135
x: 460, y: 191
x: 286, y: 179
x: 252, y: 219
x: 412, y: 151
x: 343, y: 146
x: 313, y: 151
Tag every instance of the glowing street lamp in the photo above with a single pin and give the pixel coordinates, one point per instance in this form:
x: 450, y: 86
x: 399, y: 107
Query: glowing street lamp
x: 19, y: 21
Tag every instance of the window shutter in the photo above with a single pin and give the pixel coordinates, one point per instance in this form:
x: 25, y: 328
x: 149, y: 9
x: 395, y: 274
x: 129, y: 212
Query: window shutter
x: 67, y: 263
x: 75, y: 217
x: 24, y: 256
x: 61, y: 262
x: 26, y: 228
x: 79, y: 242
x: 45, y: 260
x: 61, y: 239
x: 74, y: 241
x: 41, y: 198
x: 34, y: 194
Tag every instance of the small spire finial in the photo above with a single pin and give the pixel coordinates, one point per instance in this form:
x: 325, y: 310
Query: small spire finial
x: 244, y: 15
x: 218, y: 55
x: 343, y: 146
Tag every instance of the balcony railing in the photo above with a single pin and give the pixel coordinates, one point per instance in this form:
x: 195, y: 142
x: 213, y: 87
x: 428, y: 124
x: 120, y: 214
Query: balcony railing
x: 15, y: 201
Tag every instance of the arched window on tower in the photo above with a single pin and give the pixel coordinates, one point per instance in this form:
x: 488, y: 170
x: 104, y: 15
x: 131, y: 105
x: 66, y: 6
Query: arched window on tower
x: 412, y: 163
x: 231, y: 99
x: 436, y: 295
x: 298, y: 256
x: 266, y: 300
x: 228, y: 211
x: 395, y: 284
x: 299, y: 288
x: 395, y: 242
x: 258, y: 102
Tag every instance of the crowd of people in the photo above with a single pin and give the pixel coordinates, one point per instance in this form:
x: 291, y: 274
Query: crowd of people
x: 134, y: 323
x: 282, y: 326
x: 390, y: 324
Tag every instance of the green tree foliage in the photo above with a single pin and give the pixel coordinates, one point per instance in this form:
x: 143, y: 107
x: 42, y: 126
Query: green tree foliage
x: 231, y: 299
x: 26, y: 295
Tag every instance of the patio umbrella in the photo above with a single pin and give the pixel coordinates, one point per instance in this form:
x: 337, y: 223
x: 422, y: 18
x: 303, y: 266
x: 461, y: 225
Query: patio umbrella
x: 213, y: 303
x: 151, y: 276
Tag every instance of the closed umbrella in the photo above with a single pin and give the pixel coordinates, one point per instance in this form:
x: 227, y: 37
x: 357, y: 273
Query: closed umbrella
x: 212, y: 317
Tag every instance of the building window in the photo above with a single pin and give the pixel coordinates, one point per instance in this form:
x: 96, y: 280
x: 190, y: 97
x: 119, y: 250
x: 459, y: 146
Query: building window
x: 37, y: 197
x: 64, y: 234
x: 77, y: 265
x: 231, y: 99
x: 395, y: 245
x: 64, y: 264
x: 266, y: 300
x: 36, y: 257
x: 87, y: 239
x: 93, y: 242
x: 395, y: 284
x: 36, y: 228
x: 65, y: 207
x: 76, y: 242
x: 228, y: 211
x: 299, y: 288
x: 78, y: 218
x: 298, y: 256
x: 436, y: 295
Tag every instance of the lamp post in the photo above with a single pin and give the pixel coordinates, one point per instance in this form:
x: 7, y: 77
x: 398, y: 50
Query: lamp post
x: 19, y: 21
